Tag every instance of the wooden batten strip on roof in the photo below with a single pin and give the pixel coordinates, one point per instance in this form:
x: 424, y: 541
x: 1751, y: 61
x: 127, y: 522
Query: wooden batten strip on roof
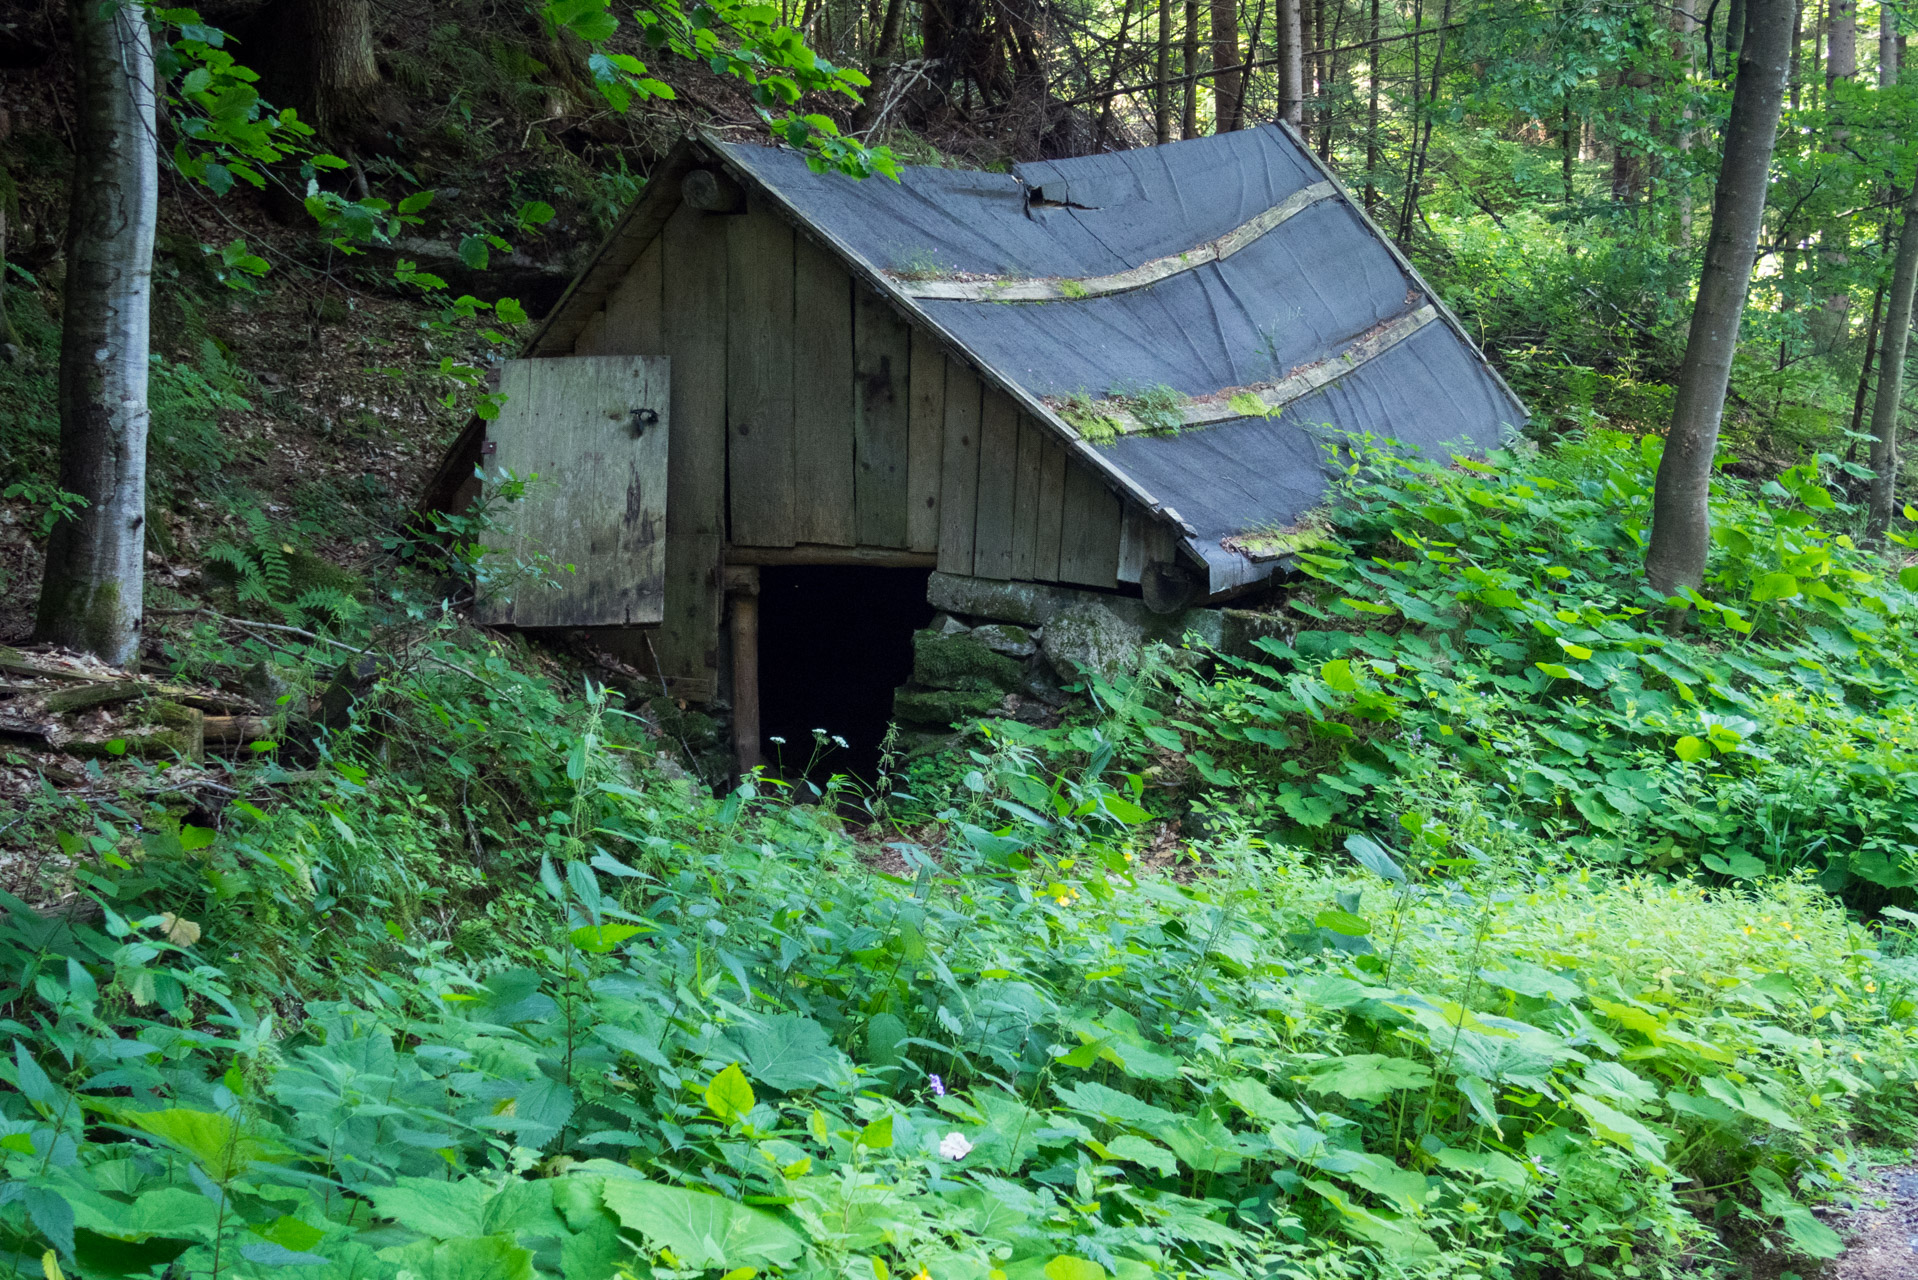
x: 1049, y: 289
x: 1219, y: 408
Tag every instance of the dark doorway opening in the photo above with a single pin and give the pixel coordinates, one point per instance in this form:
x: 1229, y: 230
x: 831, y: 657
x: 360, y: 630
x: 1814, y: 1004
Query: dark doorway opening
x: 834, y: 642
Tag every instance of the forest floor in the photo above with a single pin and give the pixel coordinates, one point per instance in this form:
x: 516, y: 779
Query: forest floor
x: 1881, y: 1242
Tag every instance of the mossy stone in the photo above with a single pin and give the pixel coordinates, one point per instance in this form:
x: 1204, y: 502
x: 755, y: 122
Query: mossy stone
x: 941, y: 707
x: 961, y: 662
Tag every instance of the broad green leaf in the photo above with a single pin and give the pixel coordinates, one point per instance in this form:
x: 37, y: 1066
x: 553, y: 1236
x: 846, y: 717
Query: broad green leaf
x: 729, y: 1096
x: 1404, y: 1188
x: 1399, y: 1238
x: 1691, y: 749
x: 790, y: 1051
x: 1067, y: 1267
x: 1130, y: 1146
x: 703, y: 1231
x: 1259, y: 1102
x: 1490, y: 1165
x: 434, y: 1206
x: 170, y: 1213
x: 1110, y: 1105
x: 1374, y: 858
x: 599, y: 939
x: 1366, y: 1077
x: 1812, y: 1237
x: 1342, y: 922
x: 485, y: 1258
x: 1774, y: 586
x: 1613, y: 1125
x: 216, y: 1141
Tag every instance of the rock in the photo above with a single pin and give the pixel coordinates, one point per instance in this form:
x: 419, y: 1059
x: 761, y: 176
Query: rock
x: 1025, y: 603
x: 961, y: 662
x: 941, y: 708
x: 1042, y: 684
x: 265, y: 683
x: 1002, y: 637
x: 1092, y: 639
x: 947, y: 625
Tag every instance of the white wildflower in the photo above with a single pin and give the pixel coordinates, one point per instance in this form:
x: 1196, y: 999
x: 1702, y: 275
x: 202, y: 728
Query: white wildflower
x: 954, y: 1146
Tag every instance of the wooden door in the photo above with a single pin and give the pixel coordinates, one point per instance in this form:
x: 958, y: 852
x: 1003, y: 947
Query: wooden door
x: 593, y: 431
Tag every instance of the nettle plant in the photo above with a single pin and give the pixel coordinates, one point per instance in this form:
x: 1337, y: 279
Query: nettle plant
x: 1489, y: 617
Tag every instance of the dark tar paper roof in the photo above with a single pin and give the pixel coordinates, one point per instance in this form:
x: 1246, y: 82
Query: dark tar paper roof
x: 1298, y: 294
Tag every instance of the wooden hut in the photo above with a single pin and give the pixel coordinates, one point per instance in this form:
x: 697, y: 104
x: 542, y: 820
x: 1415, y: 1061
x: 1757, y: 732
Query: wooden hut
x: 1110, y: 374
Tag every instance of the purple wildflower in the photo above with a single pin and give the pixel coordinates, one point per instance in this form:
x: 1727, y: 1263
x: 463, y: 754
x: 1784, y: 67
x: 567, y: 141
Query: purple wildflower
x: 938, y: 1086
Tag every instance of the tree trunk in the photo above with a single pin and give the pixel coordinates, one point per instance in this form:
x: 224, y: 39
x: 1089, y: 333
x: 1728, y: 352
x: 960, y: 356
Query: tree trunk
x: 1189, y: 118
x: 1291, y: 64
x: 1228, y: 87
x: 1889, y: 46
x: 865, y: 115
x: 1797, y: 46
x: 1734, y: 33
x: 91, y: 595
x: 1308, y: 82
x: 1162, y: 122
x: 1832, y: 324
x: 1104, y: 129
x: 1568, y: 144
x: 1891, y: 375
x: 1372, y: 115
x: 1681, y: 515
x: 320, y: 57
x: 10, y: 349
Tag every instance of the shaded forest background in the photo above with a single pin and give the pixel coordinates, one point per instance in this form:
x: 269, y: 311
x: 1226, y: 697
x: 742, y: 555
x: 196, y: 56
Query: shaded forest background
x: 1550, y: 166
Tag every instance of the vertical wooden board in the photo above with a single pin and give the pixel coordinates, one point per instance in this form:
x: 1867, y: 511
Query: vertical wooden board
x: 823, y: 502
x: 1089, y: 529
x: 588, y: 340
x: 594, y: 431
x: 759, y: 377
x: 694, y: 287
x: 959, y: 469
x: 1052, y: 502
x: 633, y: 322
x: 998, y: 480
x: 926, y: 424
x: 1132, y: 543
x: 881, y: 345
x: 1025, y: 499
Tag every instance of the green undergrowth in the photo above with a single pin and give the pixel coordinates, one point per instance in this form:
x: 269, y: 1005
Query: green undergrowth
x: 495, y: 991
x: 1483, y: 628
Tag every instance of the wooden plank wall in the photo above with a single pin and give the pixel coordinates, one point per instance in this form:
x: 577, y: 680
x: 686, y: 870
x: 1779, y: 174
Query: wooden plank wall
x: 808, y: 413
x: 886, y: 443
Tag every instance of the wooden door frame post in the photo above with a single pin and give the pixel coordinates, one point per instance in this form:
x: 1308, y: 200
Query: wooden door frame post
x: 742, y: 588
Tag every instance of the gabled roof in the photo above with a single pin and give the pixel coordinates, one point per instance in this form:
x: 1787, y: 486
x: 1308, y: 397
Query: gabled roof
x: 1202, y: 310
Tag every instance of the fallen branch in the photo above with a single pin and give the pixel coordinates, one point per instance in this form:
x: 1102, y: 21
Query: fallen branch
x: 249, y: 623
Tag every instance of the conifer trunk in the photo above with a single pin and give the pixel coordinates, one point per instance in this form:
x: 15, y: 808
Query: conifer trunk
x: 1681, y: 517
x: 1291, y: 64
x: 91, y: 594
x: 1228, y: 83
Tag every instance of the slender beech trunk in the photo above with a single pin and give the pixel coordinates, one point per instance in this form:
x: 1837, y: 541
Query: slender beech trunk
x: 1162, y: 117
x: 1891, y: 374
x: 91, y: 596
x: 1372, y: 114
x: 1797, y: 48
x: 1189, y: 60
x: 1734, y: 33
x: 1291, y: 64
x: 1568, y: 148
x: 1228, y: 87
x: 1681, y: 517
x: 1308, y: 80
x: 1865, y: 367
x: 1889, y: 46
x: 9, y: 337
x: 1832, y: 324
x: 1423, y: 136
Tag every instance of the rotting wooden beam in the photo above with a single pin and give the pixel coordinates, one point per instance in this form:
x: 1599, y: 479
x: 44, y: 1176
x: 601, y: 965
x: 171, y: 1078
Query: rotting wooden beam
x: 742, y: 588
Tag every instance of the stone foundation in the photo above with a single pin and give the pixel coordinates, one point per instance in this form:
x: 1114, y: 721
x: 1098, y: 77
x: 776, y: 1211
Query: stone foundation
x: 1005, y: 648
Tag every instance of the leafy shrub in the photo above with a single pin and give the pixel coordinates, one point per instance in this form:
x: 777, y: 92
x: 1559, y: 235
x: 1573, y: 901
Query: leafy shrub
x: 1490, y: 619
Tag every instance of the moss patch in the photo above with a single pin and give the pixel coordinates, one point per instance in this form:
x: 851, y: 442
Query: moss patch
x: 963, y: 663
